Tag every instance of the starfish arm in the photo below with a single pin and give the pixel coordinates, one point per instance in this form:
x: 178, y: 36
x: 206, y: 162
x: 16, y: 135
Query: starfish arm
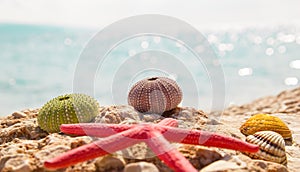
x: 104, y: 130
x: 205, y: 138
x: 94, y: 129
x: 99, y: 148
x: 168, y: 154
x: 169, y: 122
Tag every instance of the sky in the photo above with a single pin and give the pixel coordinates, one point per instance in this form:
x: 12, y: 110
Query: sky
x: 201, y: 13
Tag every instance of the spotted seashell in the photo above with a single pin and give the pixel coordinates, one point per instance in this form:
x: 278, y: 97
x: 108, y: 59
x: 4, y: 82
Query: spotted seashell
x: 265, y: 122
x: 155, y: 95
x: 67, y: 109
x: 271, y: 146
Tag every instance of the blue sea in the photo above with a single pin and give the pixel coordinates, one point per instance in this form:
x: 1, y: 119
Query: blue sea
x: 39, y: 62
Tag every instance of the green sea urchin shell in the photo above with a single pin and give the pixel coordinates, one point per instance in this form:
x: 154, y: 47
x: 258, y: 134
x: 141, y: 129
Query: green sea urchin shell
x: 67, y: 109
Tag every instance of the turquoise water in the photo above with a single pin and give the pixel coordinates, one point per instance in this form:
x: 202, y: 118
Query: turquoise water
x: 38, y: 63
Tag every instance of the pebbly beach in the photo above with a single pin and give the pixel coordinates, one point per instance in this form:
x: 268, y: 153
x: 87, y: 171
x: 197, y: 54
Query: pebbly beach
x: 25, y: 146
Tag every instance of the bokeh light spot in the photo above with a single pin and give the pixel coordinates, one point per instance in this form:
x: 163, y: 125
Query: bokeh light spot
x: 269, y: 51
x: 290, y: 81
x: 144, y: 44
x: 295, y: 64
x: 245, y: 71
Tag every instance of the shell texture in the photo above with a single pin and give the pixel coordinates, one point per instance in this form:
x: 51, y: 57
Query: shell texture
x: 155, y: 95
x: 265, y: 122
x: 67, y: 109
x: 271, y: 146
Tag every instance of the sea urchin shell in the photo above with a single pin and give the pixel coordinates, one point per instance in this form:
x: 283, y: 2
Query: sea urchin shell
x: 155, y: 95
x: 67, y: 109
x: 271, y: 146
x: 264, y: 122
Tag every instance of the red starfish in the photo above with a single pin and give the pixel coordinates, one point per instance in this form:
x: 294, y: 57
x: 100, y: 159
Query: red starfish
x: 156, y: 136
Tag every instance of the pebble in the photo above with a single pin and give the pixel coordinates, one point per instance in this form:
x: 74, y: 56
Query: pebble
x: 222, y: 165
x: 200, y: 156
x: 17, y: 163
x: 18, y: 114
x: 266, y: 166
x: 141, y: 167
x: 109, y: 163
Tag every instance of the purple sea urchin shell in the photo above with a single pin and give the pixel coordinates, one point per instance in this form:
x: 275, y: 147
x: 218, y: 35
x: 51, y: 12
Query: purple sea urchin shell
x: 155, y: 95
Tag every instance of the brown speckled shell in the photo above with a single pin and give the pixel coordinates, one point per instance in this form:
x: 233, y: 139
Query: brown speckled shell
x: 155, y: 95
x: 265, y: 122
x: 271, y: 146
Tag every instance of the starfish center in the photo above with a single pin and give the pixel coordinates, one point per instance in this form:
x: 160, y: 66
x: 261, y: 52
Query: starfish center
x: 145, y: 131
